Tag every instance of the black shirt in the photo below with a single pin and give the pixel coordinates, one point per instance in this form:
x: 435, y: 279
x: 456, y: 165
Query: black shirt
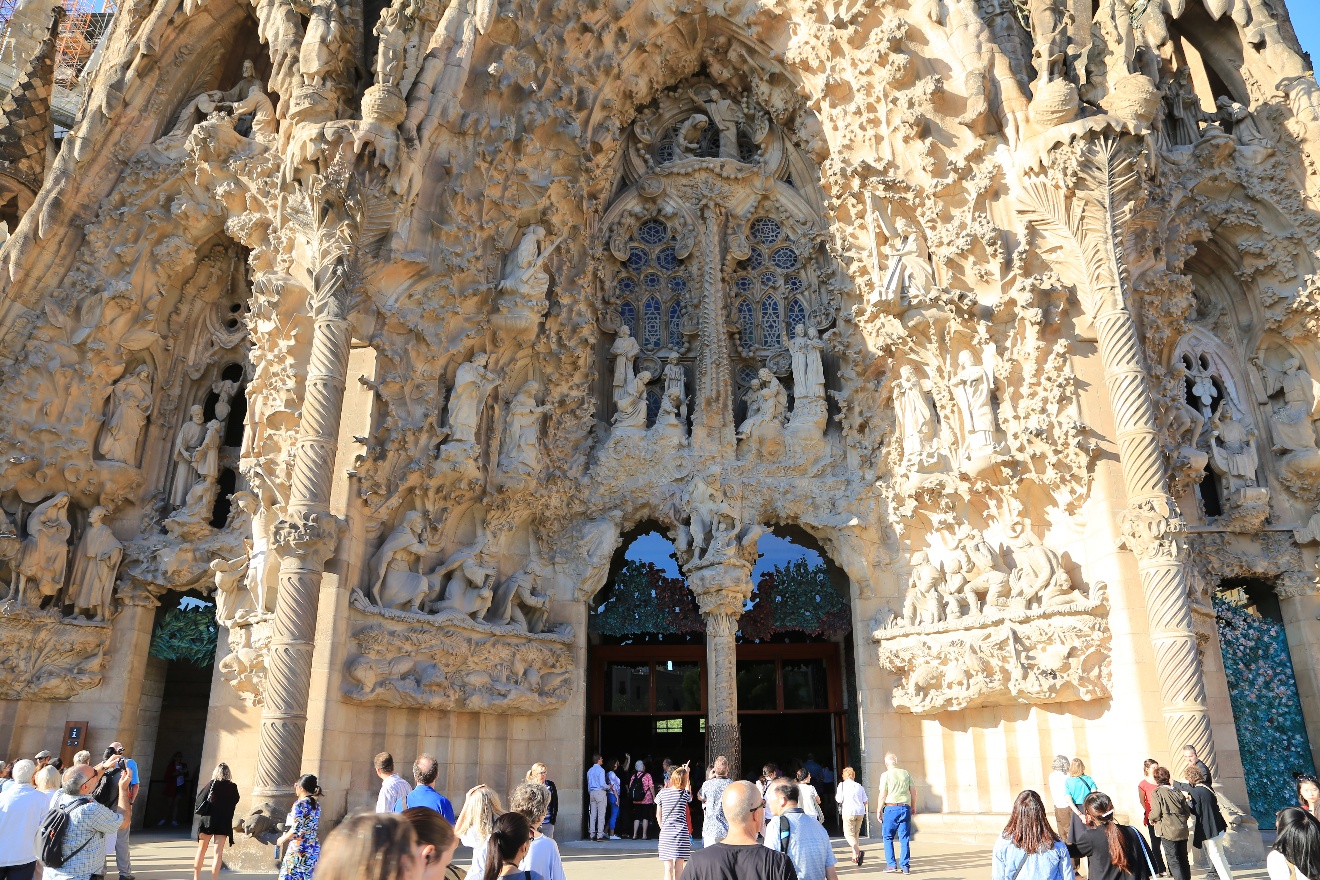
x: 746, y: 862
x: 1093, y: 844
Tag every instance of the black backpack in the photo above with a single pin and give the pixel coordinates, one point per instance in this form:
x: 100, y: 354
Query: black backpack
x: 106, y: 792
x: 637, y: 789
x: 54, y: 827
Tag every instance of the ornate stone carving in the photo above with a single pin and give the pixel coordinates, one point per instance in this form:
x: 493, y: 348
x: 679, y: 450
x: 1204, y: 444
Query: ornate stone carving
x: 95, y: 566
x: 43, y: 560
x: 44, y: 659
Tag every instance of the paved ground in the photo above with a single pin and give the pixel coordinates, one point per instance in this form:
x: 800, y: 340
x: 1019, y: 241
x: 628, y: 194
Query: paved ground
x: 160, y: 856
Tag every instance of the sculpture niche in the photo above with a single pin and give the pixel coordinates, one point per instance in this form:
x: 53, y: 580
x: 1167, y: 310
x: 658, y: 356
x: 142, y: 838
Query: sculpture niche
x: 399, y: 586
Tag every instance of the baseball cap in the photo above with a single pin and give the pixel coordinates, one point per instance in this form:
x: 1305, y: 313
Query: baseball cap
x: 44, y: 753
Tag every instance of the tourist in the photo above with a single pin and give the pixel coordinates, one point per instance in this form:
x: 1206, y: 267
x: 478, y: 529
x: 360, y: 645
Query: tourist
x: 299, y: 844
x: 22, y: 807
x: 796, y: 834
x: 713, y: 824
x: 425, y: 770
x: 895, y: 813
x: 530, y: 800
x: 393, y: 797
x: 6, y: 775
x: 48, y: 783
x: 369, y: 846
x: 851, y: 798
x: 1209, y: 827
x: 812, y: 766
x: 740, y: 856
x: 769, y: 773
x: 507, y: 847
x: 809, y: 799
x: 1112, y: 851
x: 1059, y: 799
x: 437, y: 840
x: 43, y: 757
x: 481, y: 807
x: 1193, y: 760
x: 598, y: 786
x: 123, y: 858
x: 91, y: 823
x: 176, y: 778
x: 216, y: 807
x: 1145, y: 788
x: 671, y: 816
x: 84, y: 757
x: 1296, y: 851
x: 1308, y: 794
x: 540, y: 774
x: 613, y: 789
x: 1169, y: 812
x: 641, y: 793
x: 1079, y: 785
x: 1028, y: 848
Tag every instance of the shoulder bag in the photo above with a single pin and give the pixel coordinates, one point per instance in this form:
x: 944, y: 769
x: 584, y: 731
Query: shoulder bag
x: 204, y: 805
x: 1022, y: 864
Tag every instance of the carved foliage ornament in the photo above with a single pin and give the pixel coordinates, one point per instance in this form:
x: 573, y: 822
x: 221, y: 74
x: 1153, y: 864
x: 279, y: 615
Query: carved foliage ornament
x: 43, y: 659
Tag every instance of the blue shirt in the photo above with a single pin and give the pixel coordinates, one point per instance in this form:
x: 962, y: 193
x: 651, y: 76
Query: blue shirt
x: 1079, y: 787
x: 808, y: 844
x: 132, y: 769
x: 426, y: 796
x: 1053, y: 864
x: 596, y: 778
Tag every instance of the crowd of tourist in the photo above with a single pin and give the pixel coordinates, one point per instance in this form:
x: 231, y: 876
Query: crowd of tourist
x: 63, y: 826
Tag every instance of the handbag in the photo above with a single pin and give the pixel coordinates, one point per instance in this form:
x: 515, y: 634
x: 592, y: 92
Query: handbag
x: 204, y: 805
x: 1141, y: 842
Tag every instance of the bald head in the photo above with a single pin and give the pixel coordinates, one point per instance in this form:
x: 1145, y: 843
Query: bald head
x: 76, y: 778
x: 741, y: 802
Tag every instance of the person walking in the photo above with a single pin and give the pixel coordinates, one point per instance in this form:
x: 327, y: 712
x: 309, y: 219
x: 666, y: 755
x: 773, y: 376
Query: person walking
x: 370, y: 846
x: 22, y: 807
x: 1169, y: 812
x: 1145, y: 788
x: 1308, y: 794
x: 1209, y: 825
x: 671, y: 816
x: 613, y: 792
x: 808, y: 798
x: 713, y: 824
x: 895, y: 814
x: 438, y: 842
x: 176, y: 777
x: 796, y: 834
x: 90, y: 823
x: 300, y: 845
x: 215, y: 806
x: 425, y: 770
x: 1112, y: 851
x: 481, y: 807
x: 740, y: 856
x: 393, y: 797
x: 509, y: 841
x: 540, y: 774
x: 123, y: 856
x: 1059, y: 799
x: 1296, y: 851
x: 1028, y: 848
x: 598, y: 787
x: 641, y: 792
x: 1079, y: 785
x: 851, y: 798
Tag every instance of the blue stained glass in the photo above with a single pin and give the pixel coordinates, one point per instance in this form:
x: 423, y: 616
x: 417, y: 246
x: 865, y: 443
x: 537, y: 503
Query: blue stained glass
x: 637, y: 258
x: 746, y: 322
x: 756, y: 260
x: 744, y: 283
x: 676, y: 324
x: 626, y: 286
x: 746, y: 375
x: 797, y: 314
x: 651, y: 279
x: 652, y: 404
x: 678, y: 284
x: 651, y: 322
x: 769, y: 280
x: 628, y: 316
x: 772, y: 332
x: 665, y: 152
x: 765, y: 230
x: 652, y: 232
x: 794, y: 283
x: 666, y: 259
x: 784, y: 259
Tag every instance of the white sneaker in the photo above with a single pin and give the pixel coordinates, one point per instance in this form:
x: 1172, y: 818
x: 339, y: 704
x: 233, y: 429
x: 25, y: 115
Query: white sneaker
x: 615, y: 837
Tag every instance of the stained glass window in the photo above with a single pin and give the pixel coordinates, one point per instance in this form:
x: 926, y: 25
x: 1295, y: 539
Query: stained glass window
x: 628, y: 316
x: 746, y: 322
x: 676, y: 324
x: 797, y: 314
x: 651, y: 322
x: 769, y: 275
x: 772, y: 332
x: 653, y: 276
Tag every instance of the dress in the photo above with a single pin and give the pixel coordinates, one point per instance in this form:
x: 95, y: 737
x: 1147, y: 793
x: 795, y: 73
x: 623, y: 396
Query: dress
x: 713, y: 827
x: 304, y: 850
x: 224, y: 797
x: 671, y: 807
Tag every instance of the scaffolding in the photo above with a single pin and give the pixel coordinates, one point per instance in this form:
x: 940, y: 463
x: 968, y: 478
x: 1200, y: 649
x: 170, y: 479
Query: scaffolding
x: 85, y: 22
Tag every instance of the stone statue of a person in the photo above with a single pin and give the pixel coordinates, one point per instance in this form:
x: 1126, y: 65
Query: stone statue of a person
x: 95, y: 565
x: 472, y: 383
x: 1233, y: 449
x: 909, y: 264
x: 520, y: 448
x: 206, y: 465
x: 45, y: 555
x: 130, y: 404
x: 185, y: 445
x: 808, y: 373
x: 916, y: 419
x: 625, y: 350
x: 630, y: 403
x: 971, y: 388
x: 526, y: 279
x: 1292, y: 419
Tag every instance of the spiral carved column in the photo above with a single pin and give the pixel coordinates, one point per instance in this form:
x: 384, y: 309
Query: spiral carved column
x: 721, y: 590
x: 304, y: 539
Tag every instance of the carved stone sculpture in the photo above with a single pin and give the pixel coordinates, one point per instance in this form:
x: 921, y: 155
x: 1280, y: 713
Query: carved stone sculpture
x: 625, y: 350
x: 42, y: 659
x: 204, y: 463
x: 396, y: 583
x: 767, y: 407
x: 808, y: 375
x: 909, y: 271
x: 472, y: 383
x: 1292, y: 420
x: 1233, y: 449
x: 916, y: 419
x: 971, y: 387
x: 924, y: 602
x: 185, y: 446
x: 630, y: 404
x: 44, y: 559
x: 95, y: 566
x: 130, y: 404
x: 520, y: 445
x: 233, y: 603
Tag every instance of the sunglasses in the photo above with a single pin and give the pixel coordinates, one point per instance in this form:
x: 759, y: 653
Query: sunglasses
x: 757, y: 808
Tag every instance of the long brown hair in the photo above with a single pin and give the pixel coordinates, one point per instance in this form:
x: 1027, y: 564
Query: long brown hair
x: 1100, y: 809
x: 368, y: 846
x: 1027, y: 827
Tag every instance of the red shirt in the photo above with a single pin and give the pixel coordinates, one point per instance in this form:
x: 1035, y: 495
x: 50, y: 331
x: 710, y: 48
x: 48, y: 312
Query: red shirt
x: 1144, y: 790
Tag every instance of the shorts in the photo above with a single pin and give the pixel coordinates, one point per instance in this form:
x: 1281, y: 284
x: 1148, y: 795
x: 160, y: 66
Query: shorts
x: 852, y: 829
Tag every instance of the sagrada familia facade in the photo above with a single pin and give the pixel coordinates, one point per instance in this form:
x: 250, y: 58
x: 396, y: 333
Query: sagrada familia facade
x: 382, y: 326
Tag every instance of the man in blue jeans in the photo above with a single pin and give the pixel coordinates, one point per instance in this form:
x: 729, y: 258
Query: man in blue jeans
x: 895, y: 814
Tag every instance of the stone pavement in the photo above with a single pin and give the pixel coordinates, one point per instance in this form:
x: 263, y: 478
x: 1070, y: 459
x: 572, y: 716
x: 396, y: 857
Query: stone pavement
x: 163, y: 856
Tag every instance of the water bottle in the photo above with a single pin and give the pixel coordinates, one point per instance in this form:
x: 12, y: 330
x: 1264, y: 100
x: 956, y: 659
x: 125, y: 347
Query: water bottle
x: 277, y: 853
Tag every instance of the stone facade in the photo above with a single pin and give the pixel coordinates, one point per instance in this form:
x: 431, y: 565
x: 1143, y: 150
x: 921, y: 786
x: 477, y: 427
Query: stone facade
x: 1011, y: 307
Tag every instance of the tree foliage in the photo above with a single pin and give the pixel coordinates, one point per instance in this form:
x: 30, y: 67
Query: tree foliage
x: 646, y: 601
x: 796, y: 598
x: 187, y: 635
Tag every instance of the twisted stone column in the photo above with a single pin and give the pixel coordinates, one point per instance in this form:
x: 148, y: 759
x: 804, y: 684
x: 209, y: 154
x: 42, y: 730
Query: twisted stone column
x: 304, y: 540
x: 721, y: 590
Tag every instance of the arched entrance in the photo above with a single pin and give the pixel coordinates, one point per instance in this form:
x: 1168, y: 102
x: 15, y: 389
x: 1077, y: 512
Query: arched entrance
x: 648, y: 686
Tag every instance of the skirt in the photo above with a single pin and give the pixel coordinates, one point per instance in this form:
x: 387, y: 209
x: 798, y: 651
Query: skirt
x: 675, y: 843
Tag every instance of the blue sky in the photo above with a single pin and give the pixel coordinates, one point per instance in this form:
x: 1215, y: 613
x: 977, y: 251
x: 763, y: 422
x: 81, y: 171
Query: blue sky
x: 774, y: 550
x: 1306, y: 19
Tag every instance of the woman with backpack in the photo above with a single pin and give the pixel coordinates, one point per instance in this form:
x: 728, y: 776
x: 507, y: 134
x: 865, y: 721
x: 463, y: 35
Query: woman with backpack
x: 1079, y: 785
x: 216, y: 807
x: 1112, y: 851
x: 1208, y: 830
x: 1028, y: 849
x: 641, y: 792
x: 302, y: 848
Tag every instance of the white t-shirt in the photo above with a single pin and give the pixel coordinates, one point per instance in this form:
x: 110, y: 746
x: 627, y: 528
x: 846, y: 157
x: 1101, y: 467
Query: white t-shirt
x: 1059, y: 790
x: 852, y: 797
x: 808, y: 800
x: 1278, y: 868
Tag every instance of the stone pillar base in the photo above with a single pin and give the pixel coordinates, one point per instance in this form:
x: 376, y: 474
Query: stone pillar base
x: 249, y: 855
